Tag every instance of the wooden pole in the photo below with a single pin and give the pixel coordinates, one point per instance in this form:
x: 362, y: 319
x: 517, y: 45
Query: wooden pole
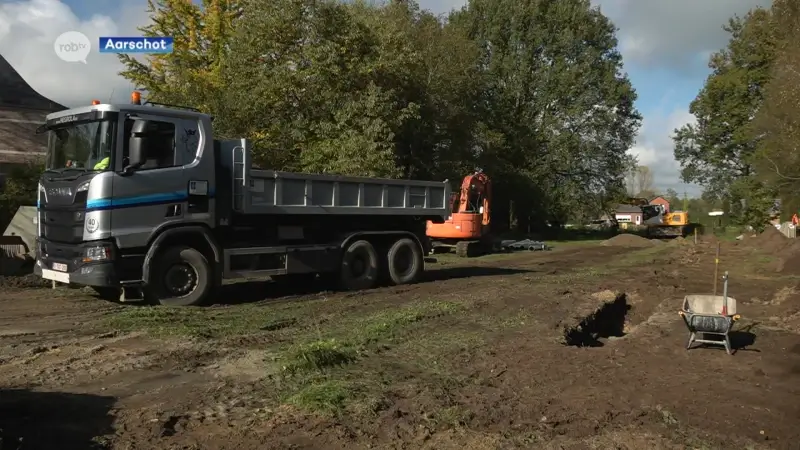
x: 695, y: 235
x: 716, y: 268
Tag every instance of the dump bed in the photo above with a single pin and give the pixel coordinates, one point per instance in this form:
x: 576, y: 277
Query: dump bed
x: 257, y: 191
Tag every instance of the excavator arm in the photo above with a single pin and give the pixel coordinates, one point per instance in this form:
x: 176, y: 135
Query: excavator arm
x: 475, y: 196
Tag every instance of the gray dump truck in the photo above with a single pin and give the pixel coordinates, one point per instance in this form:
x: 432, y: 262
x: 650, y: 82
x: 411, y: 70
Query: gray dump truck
x: 141, y: 202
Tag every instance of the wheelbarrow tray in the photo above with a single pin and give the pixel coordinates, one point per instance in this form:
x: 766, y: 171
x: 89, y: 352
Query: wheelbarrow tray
x: 703, y: 316
x: 708, y: 304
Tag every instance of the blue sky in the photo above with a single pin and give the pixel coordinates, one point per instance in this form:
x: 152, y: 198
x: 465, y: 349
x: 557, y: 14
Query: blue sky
x: 665, y: 45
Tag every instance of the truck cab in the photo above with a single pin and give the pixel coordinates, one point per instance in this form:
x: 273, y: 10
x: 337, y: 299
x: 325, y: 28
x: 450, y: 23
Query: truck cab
x: 140, y: 201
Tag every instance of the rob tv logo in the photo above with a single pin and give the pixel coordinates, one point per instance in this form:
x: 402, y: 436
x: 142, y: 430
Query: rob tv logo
x: 72, y: 46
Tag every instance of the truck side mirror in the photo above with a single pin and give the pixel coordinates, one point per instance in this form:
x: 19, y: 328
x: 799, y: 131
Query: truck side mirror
x: 137, y: 146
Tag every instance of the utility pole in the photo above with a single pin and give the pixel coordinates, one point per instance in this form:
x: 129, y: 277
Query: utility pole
x: 685, y: 202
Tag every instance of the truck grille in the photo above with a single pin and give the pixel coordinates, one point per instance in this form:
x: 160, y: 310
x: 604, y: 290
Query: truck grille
x: 71, y: 255
x: 62, y: 225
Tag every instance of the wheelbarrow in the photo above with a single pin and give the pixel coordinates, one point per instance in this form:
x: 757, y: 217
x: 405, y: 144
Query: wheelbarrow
x: 710, y: 315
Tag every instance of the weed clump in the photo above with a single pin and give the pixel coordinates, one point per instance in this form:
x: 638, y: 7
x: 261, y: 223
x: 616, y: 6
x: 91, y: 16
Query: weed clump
x: 318, y: 356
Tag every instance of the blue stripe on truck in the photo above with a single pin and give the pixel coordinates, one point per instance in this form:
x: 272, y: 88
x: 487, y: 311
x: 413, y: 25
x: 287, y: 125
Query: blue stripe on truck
x: 139, y: 200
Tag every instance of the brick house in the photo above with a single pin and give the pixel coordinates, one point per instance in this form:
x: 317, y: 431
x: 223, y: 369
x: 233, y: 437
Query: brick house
x: 660, y: 201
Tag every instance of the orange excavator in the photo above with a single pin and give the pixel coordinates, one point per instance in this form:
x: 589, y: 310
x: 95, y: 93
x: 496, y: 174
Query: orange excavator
x: 467, y: 228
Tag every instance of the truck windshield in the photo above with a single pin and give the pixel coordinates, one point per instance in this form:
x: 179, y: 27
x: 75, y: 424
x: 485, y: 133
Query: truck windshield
x: 85, y: 146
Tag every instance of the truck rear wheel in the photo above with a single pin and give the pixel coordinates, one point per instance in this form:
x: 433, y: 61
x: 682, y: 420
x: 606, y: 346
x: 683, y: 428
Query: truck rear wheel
x: 405, y: 261
x: 180, y: 276
x: 360, y: 266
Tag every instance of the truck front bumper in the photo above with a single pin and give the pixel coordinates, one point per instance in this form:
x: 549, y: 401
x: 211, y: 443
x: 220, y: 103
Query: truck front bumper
x: 97, y: 274
x: 67, y: 263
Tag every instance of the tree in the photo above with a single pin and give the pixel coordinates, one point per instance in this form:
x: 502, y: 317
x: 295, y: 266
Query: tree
x: 639, y: 182
x: 673, y: 198
x: 717, y: 152
x: 778, y: 121
x: 191, y: 74
x: 434, y: 66
x: 558, y: 100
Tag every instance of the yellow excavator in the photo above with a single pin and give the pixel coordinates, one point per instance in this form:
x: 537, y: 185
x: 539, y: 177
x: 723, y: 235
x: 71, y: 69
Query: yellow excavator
x: 662, y: 223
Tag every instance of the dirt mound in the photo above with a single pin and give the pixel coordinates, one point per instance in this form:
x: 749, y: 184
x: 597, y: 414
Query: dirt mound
x: 771, y: 240
x: 627, y: 240
x: 23, y: 282
x: 680, y: 240
x: 788, y: 258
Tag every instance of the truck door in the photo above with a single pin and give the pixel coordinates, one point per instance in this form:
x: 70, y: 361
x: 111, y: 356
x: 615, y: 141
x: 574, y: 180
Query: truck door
x: 155, y: 195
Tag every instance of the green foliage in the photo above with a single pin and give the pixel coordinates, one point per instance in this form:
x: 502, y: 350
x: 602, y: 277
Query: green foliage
x: 318, y: 356
x: 778, y: 121
x: 531, y: 91
x: 192, y: 73
x: 718, y: 151
x: 556, y: 95
x: 19, y: 189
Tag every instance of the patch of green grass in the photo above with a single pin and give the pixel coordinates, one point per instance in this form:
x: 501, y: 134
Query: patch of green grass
x: 328, y: 396
x: 387, y: 325
x: 765, y: 259
x: 318, y: 355
x: 208, y: 323
x: 341, y: 344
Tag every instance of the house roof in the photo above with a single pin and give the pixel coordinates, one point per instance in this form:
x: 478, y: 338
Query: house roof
x: 628, y: 209
x: 22, y: 110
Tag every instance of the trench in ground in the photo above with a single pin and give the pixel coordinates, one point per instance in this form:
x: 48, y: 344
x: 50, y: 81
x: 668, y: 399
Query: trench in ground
x: 606, y: 322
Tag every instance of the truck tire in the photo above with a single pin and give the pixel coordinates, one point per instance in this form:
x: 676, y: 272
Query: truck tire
x: 405, y: 261
x: 180, y: 276
x: 360, y: 267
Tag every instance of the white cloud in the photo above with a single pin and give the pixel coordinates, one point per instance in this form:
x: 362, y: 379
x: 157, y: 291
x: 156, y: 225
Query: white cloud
x: 654, y: 148
x: 28, y: 30
x: 442, y: 6
x: 678, y: 34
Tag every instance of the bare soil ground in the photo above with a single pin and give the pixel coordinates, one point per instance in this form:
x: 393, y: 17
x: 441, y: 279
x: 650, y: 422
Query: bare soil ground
x: 476, y: 357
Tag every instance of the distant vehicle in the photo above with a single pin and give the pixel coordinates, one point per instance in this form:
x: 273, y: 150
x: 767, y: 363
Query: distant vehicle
x: 659, y: 222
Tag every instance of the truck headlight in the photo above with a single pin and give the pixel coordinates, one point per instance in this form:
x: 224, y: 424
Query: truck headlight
x: 96, y: 253
x: 83, y: 186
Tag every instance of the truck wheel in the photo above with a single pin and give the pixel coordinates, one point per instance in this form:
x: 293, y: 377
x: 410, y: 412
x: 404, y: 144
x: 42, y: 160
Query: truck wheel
x: 360, y: 267
x: 180, y: 276
x: 405, y: 261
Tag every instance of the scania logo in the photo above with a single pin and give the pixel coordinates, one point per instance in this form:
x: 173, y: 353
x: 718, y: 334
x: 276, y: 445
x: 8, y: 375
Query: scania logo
x: 60, y: 192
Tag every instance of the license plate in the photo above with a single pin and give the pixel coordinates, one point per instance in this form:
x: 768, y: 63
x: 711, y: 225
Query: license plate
x: 61, y: 277
x: 60, y: 267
